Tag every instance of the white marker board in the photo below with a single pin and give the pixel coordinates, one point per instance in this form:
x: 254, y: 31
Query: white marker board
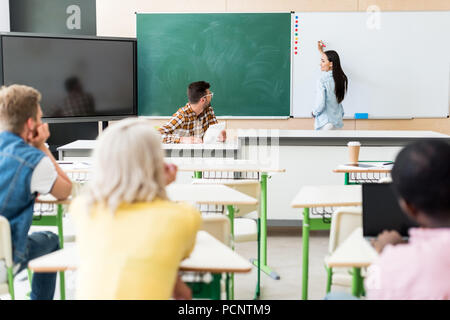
x: 397, y: 63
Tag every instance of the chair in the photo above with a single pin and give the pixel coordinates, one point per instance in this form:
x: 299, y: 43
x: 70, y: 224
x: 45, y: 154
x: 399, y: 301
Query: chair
x: 243, y: 229
x: 343, y: 223
x: 6, y: 259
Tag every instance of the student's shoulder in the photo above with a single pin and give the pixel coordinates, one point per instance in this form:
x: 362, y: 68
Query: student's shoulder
x: 182, y: 111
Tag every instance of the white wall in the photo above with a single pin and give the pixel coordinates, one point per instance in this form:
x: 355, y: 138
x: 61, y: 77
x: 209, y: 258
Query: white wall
x: 4, y: 16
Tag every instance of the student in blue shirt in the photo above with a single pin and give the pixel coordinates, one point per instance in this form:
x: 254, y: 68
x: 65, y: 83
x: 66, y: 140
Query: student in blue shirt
x: 331, y: 89
x: 27, y: 168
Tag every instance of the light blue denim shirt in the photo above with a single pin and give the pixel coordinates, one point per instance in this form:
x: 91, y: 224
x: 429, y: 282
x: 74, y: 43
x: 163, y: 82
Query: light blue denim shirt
x: 327, y: 109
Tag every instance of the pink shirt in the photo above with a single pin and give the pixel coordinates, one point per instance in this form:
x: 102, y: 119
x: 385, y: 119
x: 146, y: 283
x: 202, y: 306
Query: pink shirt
x: 418, y: 270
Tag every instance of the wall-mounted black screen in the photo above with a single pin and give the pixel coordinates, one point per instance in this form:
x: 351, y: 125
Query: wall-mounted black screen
x: 77, y: 77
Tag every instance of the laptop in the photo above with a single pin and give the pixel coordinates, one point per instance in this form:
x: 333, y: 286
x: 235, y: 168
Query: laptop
x: 381, y: 211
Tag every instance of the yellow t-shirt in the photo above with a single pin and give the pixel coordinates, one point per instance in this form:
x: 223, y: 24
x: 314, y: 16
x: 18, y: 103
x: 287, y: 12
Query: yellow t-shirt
x: 135, y: 252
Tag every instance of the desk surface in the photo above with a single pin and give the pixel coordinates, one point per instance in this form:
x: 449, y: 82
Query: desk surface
x: 221, y: 164
x: 90, y: 145
x: 355, y: 251
x: 49, y: 199
x: 209, y: 255
x: 208, y: 194
x: 328, y: 196
x: 364, y: 168
x: 192, y: 164
x: 353, y: 134
x: 193, y: 193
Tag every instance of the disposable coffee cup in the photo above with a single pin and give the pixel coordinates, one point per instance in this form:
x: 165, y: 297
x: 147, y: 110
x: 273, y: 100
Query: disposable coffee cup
x: 353, y: 151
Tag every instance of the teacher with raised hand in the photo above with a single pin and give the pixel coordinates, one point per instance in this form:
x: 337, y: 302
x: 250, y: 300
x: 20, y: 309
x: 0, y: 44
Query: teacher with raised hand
x: 331, y: 89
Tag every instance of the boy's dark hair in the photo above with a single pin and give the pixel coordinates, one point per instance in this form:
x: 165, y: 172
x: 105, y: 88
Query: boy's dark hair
x: 421, y: 176
x: 197, y: 90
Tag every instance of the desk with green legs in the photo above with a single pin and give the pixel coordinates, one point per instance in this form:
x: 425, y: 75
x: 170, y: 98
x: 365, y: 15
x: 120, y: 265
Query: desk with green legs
x: 53, y: 221
x: 317, y: 197
x: 209, y: 255
x: 240, y: 169
x: 365, y: 172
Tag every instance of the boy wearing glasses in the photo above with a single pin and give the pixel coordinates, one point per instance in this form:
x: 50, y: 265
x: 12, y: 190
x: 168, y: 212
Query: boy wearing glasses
x: 189, y: 123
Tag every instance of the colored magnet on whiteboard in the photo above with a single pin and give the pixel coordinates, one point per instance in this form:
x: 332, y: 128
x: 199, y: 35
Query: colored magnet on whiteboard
x: 361, y: 116
x: 296, y: 17
x: 295, y: 42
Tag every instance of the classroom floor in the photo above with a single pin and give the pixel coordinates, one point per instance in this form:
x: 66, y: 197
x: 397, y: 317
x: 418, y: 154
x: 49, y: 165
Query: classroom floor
x: 284, y: 256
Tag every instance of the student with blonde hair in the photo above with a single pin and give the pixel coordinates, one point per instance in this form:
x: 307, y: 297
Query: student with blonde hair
x: 27, y: 167
x: 131, y: 238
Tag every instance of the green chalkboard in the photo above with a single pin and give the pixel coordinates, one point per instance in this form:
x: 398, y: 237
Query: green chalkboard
x: 244, y: 56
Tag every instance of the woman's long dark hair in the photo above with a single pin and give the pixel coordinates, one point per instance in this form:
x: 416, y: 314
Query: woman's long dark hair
x: 340, y: 79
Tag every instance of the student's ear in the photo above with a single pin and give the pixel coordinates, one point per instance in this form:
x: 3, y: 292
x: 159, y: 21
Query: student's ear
x: 30, y: 123
x: 408, y: 209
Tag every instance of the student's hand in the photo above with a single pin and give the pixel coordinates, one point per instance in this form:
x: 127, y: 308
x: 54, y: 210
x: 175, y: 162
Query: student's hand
x: 170, y: 171
x: 222, y: 136
x: 181, y: 291
x: 385, y: 238
x: 320, y: 46
x: 191, y: 140
x: 38, y: 138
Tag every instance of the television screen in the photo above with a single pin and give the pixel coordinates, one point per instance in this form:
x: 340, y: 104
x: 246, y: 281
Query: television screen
x: 77, y: 77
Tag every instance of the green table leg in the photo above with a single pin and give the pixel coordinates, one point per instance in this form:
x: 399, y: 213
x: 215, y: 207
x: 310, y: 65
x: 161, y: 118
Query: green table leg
x: 62, y: 285
x: 264, y: 266
x: 357, y: 282
x: 215, y: 286
x: 11, y: 282
x: 230, y: 287
x: 305, y: 253
x: 197, y: 174
x: 258, y: 270
x: 58, y: 222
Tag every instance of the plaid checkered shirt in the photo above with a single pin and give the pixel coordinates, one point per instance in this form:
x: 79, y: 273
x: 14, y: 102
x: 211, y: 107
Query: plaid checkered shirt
x: 186, y: 123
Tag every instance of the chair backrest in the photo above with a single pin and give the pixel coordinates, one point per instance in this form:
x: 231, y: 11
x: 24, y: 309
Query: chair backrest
x: 218, y: 226
x: 343, y: 223
x: 5, y: 242
x: 248, y: 187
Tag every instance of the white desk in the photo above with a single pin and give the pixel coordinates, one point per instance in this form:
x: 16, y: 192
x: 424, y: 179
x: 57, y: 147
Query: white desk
x: 328, y: 196
x: 355, y: 252
x: 209, y: 255
x: 341, y: 134
x: 208, y: 194
x: 319, y: 197
x: 82, y: 149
